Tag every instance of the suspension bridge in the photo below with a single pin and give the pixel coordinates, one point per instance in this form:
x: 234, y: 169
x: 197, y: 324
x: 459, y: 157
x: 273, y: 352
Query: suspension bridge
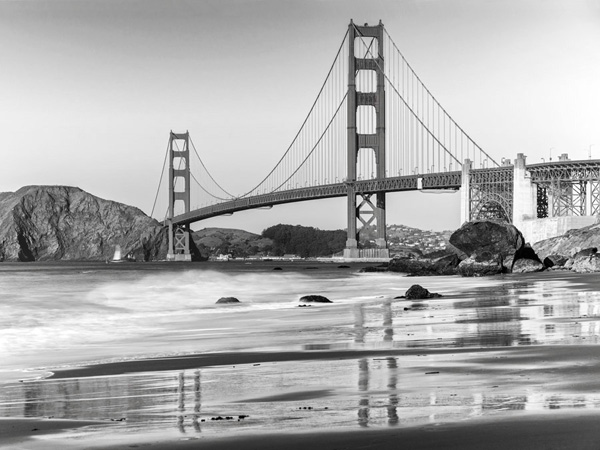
x: 375, y: 128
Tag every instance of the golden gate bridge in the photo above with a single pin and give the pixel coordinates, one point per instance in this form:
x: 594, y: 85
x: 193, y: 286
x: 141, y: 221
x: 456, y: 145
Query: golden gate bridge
x: 373, y: 128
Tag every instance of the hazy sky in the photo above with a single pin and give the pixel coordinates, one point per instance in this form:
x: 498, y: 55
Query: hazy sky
x: 89, y: 90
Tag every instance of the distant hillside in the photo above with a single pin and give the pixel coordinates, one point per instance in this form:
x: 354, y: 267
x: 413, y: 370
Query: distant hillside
x: 226, y: 241
x: 401, y: 237
x: 46, y: 223
x: 305, y: 241
x: 310, y: 242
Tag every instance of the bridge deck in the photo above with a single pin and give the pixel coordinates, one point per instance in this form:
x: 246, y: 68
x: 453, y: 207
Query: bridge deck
x: 447, y: 180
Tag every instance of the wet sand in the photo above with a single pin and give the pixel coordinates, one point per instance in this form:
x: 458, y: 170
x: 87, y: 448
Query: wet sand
x: 568, y: 432
x: 515, y: 369
x: 16, y: 431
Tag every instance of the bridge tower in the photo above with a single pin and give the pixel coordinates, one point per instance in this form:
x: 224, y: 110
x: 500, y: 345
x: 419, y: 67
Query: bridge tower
x: 368, y: 210
x: 179, y: 177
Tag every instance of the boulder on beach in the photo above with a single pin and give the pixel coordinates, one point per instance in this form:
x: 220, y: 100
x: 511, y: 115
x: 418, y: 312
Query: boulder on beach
x: 228, y: 300
x: 525, y: 265
x: 489, y: 246
x: 418, y: 292
x: 555, y: 261
x: 314, y: 299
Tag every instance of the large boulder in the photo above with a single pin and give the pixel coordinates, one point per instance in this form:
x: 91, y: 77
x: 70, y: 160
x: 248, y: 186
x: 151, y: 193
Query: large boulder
x: 490, y: 247
x: 47, y: 223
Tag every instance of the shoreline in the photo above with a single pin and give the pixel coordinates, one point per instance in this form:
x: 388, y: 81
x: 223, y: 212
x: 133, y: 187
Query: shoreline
x: 489, y: 368
x: 534, y: 431
x: 198, y: 361
x: 567, y: 432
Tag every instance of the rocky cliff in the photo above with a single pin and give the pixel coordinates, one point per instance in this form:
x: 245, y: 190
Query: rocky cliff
x: 569, y: 243
x: 42, y: 223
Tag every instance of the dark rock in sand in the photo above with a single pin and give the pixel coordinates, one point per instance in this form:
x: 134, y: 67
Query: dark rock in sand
x: 277, y: 268
x: 343, y: 267
x: 555, y: 261
x: 490, y: 247
x: 228, y: 300
x: 371, y: 269
x: 443, y: 265
x: 527, y: 266
x: 417, y: 292
x: 314, y: 299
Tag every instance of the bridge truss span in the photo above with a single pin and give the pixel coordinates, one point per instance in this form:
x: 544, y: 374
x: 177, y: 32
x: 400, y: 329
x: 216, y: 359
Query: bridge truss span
x: 567, y: 188
x: 491, y: 193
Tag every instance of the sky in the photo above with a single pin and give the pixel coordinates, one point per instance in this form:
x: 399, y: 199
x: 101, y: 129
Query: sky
x: 89, y: 90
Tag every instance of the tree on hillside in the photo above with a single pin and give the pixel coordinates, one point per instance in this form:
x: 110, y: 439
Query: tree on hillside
x: 305, y: 241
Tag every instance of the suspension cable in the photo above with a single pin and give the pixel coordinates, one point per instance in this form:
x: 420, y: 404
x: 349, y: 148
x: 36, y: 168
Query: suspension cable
x: 404, y: 101
x: 305, y: 120
x: 316, y: 144
x: 202, y: 187
x: 162, y: 173
x: 211, y: 177
x: 435, y: 99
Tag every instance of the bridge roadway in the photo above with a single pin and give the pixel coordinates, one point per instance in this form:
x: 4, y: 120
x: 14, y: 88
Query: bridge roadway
x: 489, y: 181
x: 446, y: 180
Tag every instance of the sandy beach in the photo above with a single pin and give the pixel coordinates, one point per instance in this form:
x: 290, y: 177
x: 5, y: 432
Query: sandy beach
x: 556, y: 368
x: 498, y: 363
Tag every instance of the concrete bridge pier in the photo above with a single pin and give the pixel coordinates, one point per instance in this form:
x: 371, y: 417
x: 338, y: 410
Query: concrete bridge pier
x: 524, y: 194
x: 465, y: 192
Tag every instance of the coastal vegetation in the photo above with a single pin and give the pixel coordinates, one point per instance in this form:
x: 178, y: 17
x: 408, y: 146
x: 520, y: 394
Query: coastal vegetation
x: 305, y: 241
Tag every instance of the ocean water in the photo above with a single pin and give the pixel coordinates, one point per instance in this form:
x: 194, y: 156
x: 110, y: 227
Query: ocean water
x: 55, y: 316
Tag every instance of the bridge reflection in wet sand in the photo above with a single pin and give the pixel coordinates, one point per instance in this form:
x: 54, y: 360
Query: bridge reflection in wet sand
x: 495, y: 354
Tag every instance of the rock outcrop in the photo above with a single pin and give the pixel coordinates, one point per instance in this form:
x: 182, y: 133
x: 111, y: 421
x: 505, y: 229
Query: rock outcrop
x: 46, y: 223
x: 489, y: 241
x: 525, y: 265
x: 425, y: 266
x: 568, y: 244
x: 314, y: 299
x: 490, y: 247
x: 586, y: 263
x: 227, y: 300
x: 556, y: 261
x: 418, y: 292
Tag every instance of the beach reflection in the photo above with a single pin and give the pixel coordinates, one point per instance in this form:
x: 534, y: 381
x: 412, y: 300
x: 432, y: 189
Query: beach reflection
x: 405, y: 388
x: 191, y: 401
